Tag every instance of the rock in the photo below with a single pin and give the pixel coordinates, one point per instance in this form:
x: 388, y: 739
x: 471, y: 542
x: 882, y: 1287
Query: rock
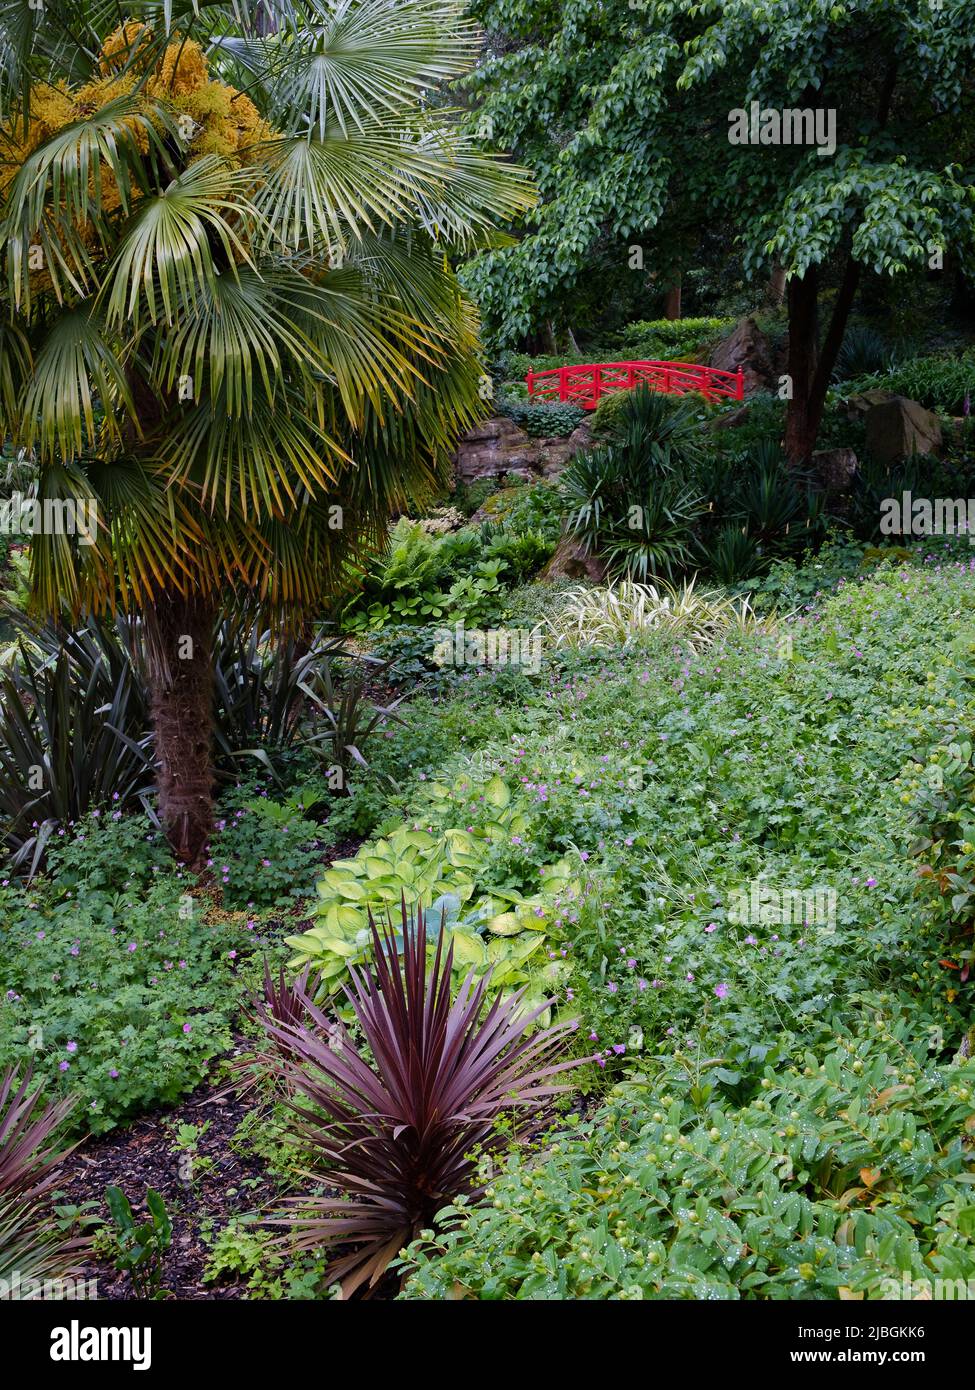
x: 581, y: 436
x: 490, y: 448
x: 898, y: 428
x: 497, y: 427
x: 498, y: 448
x: 572, y: 561
x: 834, y: 468
x: 730, y: 419
x: 856, y: 407
x: 748, y: 348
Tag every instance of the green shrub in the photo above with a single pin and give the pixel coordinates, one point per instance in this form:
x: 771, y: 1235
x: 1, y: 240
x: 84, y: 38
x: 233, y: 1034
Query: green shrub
x: 941, y: 383
x: 844, y: 1177
x: 523, y: 552
x: 263, y: 850
x: 470, y: 497
x: 427, y: 578
x: 609, y: 414
x: 671, y: 340
x: 543, y: 419
x: 528, y: 507
x: 944, y: 790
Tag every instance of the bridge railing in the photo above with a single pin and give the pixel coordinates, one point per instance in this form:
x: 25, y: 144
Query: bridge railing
x: 587, y: 385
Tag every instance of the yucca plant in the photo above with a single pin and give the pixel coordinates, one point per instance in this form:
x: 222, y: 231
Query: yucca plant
x: 863, y: 352
x: 227, y: 313
x: 732, y: 554
x: 32, y: 1245
x: 396, y: 1123
x: 634, y: 501
x: 773, y: 501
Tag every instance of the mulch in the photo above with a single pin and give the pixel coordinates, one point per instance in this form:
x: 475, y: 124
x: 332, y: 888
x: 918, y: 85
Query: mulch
x: 144, y: 1154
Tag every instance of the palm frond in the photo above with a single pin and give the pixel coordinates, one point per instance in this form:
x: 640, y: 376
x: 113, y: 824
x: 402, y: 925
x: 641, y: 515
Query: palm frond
x: 58, y: 191
x: 165, y: 258
x: 75, y: 369
x: 360, y: 61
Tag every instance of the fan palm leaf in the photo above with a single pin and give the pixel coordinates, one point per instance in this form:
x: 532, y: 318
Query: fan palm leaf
x: 231, y: 312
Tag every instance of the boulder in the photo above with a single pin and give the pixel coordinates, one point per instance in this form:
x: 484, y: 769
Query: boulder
x: 572, y: 561
x: 747, y: 347
x: 857, y: 407
x: 490, y: 448
x: 730, y: 419
x: 498, y: 448
x: 898, y: 428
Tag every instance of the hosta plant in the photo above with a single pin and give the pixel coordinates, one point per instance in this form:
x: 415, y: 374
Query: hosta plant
x: 395, y: 1122
x: 491, y: 928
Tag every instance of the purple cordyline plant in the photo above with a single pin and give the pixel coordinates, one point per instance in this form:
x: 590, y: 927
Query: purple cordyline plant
x: 32, y: 1245
x: 399, y: 1124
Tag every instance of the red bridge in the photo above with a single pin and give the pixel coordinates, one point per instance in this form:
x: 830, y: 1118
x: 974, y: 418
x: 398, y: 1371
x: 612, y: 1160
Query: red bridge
x: 586, y: 386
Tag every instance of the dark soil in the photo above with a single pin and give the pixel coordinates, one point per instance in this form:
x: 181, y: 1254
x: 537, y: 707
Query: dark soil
x: 144, y: 1154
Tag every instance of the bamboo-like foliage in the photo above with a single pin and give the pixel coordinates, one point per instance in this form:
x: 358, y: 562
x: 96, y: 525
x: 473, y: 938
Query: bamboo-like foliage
x: 396, y: 1125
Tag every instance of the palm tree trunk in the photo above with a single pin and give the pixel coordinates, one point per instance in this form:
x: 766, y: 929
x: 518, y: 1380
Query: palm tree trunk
x: 180, y: 678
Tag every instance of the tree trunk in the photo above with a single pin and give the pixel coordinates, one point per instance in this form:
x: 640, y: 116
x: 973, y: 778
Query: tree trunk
x: 809, y: 367
x: 776, y: 284
x: 800, y: 421
x: 672, y: 300
x: 180, y: 677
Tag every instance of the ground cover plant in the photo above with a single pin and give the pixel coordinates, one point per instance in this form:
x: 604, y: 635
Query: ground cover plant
x: 457, y: 846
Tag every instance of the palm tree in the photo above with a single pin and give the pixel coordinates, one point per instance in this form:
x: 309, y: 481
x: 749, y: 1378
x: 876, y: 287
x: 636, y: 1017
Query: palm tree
x: 229, y: 319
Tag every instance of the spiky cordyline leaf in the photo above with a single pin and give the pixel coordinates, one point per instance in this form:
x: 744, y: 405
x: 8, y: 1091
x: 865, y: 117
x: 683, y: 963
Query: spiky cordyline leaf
x: 31, y: 1245
x: 74, y: 705
x: 398, y: 1133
